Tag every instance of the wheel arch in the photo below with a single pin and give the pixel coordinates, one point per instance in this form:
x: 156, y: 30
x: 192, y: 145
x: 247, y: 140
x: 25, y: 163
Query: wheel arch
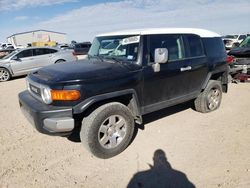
x: 219, y: 76
x: 126, y: 97
x: 8, y: 68
x: 58, y: 60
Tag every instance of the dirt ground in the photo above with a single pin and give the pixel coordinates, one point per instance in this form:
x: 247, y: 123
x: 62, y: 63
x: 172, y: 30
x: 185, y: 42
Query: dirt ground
x: 176, y: 145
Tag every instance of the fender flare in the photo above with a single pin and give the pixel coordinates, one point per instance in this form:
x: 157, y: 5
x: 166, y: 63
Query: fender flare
x: 84, y: 105
x: 224, y: 78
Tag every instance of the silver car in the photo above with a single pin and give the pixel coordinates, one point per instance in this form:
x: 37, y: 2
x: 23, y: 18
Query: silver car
x: 23, y: 61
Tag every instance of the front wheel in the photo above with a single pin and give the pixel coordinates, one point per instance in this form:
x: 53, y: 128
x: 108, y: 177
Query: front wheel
x: 4, y: 75
x: 210, y: 99
x: 108, y: 130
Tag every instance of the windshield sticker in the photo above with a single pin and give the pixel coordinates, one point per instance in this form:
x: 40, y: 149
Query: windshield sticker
x: 130, y: 40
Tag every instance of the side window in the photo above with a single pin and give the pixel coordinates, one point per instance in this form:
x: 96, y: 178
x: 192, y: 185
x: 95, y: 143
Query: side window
x: 214, y: 47
x: 242, y: 37
x: 195, y: 46
x: 173, y: 43
x: 25, y: 53
x: 49, y: 51
x: 39, y: 51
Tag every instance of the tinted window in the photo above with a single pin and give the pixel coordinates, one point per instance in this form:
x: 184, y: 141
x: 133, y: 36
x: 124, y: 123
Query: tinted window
x: 173, y: 43
x: 43, y: 51
x: 49, y: 51
x: 214, y: 47
x: 25, y: 53
x: 82, y: 45
x: 195, y: 46
x: 242, y: 37
x: 39, y: 51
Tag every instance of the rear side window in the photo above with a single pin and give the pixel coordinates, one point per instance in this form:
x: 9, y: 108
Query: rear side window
x: 214, y: 47
x: 50, y: 51
x: 43, y: 51
x: 242, y: 37
x: 173, y: 43
x: 194, y: 44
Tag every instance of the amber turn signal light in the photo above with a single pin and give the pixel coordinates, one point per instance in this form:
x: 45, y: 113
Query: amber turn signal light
x: 65, y: 95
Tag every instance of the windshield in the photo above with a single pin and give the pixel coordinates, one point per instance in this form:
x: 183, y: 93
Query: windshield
x: 11, y: 54
x: 245, y: 43
x: 123, y: 48
x: 231, y: 36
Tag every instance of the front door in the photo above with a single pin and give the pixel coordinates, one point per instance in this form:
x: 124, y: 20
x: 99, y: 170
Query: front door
x: 23, y: 62
x: 171, y: 83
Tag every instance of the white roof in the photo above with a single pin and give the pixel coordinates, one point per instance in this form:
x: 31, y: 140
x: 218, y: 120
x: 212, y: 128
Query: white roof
x: 201, y: 32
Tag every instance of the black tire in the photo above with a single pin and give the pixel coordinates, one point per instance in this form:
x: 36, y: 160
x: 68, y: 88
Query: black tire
x: 210, y: 98
x: 60, y: 61
x: 99, y: 135
x: 4, y: 75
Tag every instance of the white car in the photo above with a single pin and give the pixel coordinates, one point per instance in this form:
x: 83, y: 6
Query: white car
x: 5, y: 46
x: 230, y: 40
x: 24, y: 61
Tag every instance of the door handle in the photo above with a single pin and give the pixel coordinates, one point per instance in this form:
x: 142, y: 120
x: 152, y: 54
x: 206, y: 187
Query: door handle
x: 185, y: 68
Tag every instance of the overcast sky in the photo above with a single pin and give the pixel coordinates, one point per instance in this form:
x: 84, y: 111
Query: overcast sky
x: 83, y: 19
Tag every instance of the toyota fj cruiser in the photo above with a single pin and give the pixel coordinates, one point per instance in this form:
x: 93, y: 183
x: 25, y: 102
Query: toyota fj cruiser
x: 127, y: 74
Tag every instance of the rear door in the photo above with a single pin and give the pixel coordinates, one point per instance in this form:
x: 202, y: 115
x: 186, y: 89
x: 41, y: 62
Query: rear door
x: 42, y: 57
x: 197, y: 61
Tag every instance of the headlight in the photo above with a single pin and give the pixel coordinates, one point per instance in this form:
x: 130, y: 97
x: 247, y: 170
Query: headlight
x: 46, y: 95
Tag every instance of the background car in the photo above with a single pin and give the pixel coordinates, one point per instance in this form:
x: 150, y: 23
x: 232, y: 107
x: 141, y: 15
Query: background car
x: 6, y: 45
x: 242, y: 49
x: 23, y: 61
x: 81, y: 48
x: 5, y: 52
x: 230, y: 40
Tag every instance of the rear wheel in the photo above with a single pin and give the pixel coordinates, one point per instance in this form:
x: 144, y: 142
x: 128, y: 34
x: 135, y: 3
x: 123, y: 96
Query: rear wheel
x: 108, y: 130
x: 210, y: 99
x: 4, y: 75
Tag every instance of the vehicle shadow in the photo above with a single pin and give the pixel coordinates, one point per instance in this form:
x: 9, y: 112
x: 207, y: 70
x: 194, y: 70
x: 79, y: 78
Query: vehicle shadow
x: 148, y: 118
x: 160, y: 174
x: 75, y: 136
x: 16, y: 78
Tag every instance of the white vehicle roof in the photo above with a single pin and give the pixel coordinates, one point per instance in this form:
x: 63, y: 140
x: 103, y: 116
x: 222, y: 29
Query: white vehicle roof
x: 201, y: 32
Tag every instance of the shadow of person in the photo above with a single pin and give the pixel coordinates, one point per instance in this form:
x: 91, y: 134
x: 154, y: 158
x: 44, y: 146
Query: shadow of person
x: 160, y: 175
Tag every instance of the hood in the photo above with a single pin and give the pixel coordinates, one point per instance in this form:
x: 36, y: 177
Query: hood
x: 4, y: 61
x: 84, y: 70
x: 240, y: 52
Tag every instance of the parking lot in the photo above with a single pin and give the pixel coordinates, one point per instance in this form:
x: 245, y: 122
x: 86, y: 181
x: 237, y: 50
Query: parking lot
x: 204, y: 150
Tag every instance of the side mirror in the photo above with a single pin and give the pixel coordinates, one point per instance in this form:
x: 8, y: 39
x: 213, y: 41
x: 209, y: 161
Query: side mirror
x: 15, y: 58
x: 161, y: 56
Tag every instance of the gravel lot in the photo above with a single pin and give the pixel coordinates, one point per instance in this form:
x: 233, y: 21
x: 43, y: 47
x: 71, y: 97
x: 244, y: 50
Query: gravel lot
x: 202, y: 150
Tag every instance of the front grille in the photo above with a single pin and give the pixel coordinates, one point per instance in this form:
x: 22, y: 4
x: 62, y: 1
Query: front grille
x: 34, y: 89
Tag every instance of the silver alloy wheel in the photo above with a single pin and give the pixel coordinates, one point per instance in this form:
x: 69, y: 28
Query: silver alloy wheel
x: 4, y: 75
x: 213, y: 98
x: 112, y: 131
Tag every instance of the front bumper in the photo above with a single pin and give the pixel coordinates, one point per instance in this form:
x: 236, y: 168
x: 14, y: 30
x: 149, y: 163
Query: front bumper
x: 47, y: 119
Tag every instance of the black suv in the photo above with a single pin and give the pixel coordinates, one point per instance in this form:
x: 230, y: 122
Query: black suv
x: 127, y: 74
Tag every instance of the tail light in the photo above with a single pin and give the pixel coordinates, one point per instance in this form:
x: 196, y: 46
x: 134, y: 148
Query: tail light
x: 230, y: 59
